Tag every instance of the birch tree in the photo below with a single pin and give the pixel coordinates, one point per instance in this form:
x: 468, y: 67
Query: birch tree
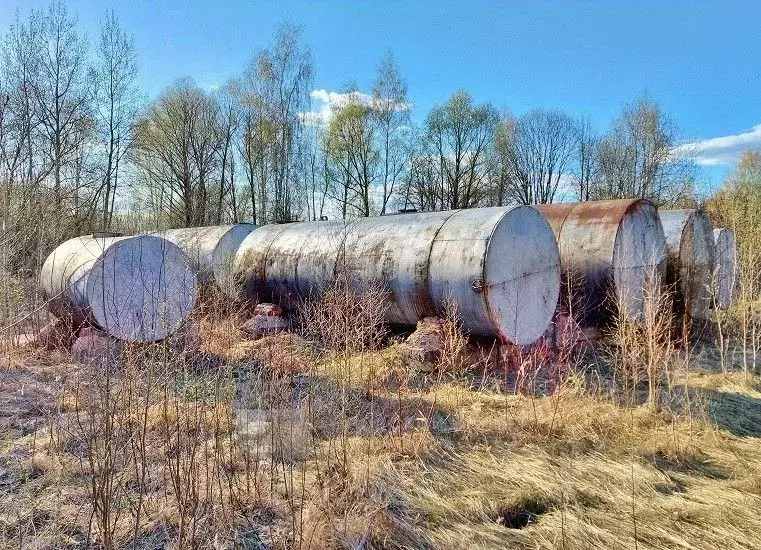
x: 117, y: 100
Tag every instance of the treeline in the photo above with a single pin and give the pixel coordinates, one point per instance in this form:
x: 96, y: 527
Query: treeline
x: 67, y: 117
x: 81, y: 148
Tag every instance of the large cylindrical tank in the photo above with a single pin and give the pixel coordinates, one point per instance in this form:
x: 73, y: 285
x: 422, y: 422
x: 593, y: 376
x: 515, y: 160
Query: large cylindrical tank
x: 211, y: 250
x: 499, y: 266
x: 692, y: 256
x: 135, y: 288
x: 725, y: 270
x: 611, y: 252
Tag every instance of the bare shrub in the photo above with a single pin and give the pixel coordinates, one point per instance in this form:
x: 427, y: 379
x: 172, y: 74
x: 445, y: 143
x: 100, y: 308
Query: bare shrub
x: 643, y: 351
x: 544, y: 366
x: 453, y: 343
x: 103, y: 429
x: 346, y: 319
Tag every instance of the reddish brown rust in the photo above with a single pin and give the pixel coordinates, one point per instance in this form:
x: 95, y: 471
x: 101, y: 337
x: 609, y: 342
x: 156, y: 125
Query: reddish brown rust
x: 602, y: 212
x: 589, y: 238
x: 555, y: 214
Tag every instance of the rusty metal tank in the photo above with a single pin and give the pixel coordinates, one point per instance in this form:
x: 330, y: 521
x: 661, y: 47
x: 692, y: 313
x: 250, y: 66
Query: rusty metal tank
x: 211, y: 250
x: 725, y: 270
x: 139, y: 288
x: 611, y: 251
x: 692, y: 257
x: 499, y: 266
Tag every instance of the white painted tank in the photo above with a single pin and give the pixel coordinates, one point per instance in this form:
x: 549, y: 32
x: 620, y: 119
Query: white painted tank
x: 692, y: 256
x: 381, y: 249
x: 612, y: 248
x: 725, y: 271
x: 135, y: 288
x: 500, y: 266
x: 211, y: 250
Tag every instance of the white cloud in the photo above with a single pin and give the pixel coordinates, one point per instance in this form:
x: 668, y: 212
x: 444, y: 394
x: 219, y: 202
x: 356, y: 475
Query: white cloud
x: 724, y: 150
x: 328, y: 103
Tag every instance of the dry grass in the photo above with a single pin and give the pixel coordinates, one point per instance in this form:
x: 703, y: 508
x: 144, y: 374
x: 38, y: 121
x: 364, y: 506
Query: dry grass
x: 539, y: 499
x: 319, y: 441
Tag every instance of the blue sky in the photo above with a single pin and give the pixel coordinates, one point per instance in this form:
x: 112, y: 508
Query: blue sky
x: 699, y: 60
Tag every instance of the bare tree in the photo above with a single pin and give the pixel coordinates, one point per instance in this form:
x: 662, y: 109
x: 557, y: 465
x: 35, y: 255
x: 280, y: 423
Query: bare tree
x: 351, y: 148
x: 61, y: 93
x: 420, y: 190
x: 587, y: 153
x: 253, y: 149
x: 499, y: 189
x: 390, y: 110
x: 279, y: 81
x: 637, y: 159
x: 19, y: 122
x: 319, y: 173
x: 205, y: 138
x: 229, y: 121
x: 117, y: 100
x: 176, y: 147
x: 535, y: 151
x: 45, y: 125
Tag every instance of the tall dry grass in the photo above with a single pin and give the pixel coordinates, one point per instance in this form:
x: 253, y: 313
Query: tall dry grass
x: 645, y: 351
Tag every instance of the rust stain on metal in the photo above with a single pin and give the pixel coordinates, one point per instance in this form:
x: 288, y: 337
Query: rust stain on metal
x: 603, y: 212
x: 252, y: 279
x: 422, y: 261
x: 691, y: 260
x: 555, y: 214
x: 479, y: 286
x: 587, y: 234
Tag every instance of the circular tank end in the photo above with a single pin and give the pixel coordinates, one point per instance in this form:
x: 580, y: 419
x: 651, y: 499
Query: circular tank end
x: 639, y: 258
x: 522, y: 275
x: 725, y: 272
x: 697, y: 256
x: 223, y: 256
x: 141, y: 289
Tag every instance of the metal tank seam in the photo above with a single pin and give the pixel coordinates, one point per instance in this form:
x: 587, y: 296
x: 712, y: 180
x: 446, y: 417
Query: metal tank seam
x: 342, y: 245
x: 489, y: 309
x: 110, y: 249
x: 427, y: 284
x: 267, y: 252
x: 521, y: 276
x: 484, y: 297
x: 615, y: 242
x: 559, y: 237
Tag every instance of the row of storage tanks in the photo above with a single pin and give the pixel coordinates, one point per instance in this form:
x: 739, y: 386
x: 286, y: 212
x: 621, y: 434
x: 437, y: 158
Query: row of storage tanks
x: 500, y: 267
